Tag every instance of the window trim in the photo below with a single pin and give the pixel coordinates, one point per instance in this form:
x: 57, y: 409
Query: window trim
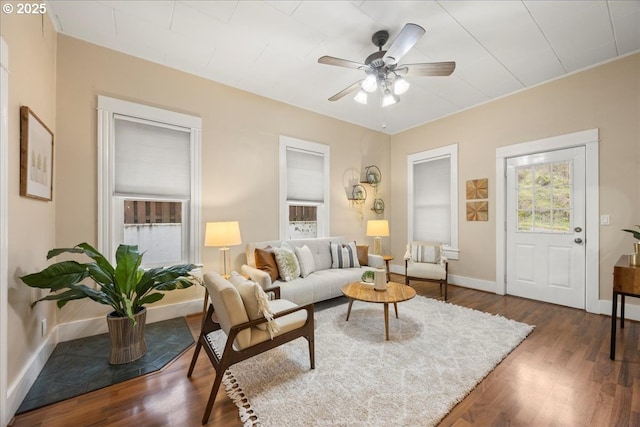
x: 451, y: 251
x: 108, y: 108
x: 323, y: 208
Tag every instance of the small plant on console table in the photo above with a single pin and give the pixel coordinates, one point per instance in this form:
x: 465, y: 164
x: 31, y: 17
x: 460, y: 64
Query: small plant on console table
x: 127, y: 287
x: 636, y: 234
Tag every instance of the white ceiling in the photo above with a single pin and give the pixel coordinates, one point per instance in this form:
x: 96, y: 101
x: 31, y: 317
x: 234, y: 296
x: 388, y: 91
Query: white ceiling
x: 271, y: 48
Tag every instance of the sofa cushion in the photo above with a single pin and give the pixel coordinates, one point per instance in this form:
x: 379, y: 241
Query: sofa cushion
x: 319, y: 248
x: 287, y: 261
x: 265, y: 260
x: 344, y: 256
x: 305, y: 259
x: 363, y: 254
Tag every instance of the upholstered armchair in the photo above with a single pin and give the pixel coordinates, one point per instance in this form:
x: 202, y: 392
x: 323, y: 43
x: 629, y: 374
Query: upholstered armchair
x: 425, y: 261
x: 251, y: 323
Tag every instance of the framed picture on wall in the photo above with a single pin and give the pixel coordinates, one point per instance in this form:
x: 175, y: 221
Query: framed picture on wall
x: 36, y: 157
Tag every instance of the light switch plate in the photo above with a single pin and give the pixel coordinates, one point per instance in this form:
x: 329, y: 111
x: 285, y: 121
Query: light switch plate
x: 604, y: 220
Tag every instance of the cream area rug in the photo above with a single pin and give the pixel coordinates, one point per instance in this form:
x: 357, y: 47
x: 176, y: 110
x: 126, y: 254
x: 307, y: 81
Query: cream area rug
x: 437, y: 353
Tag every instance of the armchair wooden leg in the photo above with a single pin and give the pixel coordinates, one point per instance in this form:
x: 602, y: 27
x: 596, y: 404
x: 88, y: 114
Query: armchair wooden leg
x: 194, y: 358
x: 445, y: 290
x: 312, y: 353
x: 214, y: 392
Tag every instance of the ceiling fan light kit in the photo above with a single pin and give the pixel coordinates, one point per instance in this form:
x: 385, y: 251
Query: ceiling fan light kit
x: 361, y: 97
x: 389, y: 98
x: 383, y: 71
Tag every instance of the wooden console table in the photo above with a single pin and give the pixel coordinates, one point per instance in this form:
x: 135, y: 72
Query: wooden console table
x: 626, y: 282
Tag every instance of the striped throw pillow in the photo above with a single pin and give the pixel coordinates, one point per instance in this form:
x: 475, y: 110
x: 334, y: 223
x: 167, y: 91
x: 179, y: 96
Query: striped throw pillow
x: 344, y: 256
x: 425, y: 252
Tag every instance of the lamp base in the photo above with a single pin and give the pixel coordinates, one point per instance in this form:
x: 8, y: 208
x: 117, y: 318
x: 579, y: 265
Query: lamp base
x: 377, y: 245
x: 225, y: 250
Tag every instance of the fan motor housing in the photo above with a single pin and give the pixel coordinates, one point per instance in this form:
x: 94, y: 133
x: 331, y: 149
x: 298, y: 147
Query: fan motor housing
x: 380, y: 38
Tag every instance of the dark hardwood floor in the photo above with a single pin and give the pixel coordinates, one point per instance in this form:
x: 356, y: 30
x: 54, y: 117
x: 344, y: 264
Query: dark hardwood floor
x: 560, y: 375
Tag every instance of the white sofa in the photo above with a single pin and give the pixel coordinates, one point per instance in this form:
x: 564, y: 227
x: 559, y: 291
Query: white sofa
x: 324, y: 283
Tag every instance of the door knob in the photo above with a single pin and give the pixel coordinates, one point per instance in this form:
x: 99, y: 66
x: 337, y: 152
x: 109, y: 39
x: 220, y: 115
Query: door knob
x: 577, y: 229
x: 578, y: 240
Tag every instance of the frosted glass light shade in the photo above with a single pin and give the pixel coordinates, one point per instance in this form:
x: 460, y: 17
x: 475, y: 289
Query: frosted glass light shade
x: 400, y: 86
x: 361, y: 97
x: 370, y: 84
x: 389, y: 99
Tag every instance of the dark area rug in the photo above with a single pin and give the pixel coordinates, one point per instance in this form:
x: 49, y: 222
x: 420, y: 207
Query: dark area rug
x: 80, y: 366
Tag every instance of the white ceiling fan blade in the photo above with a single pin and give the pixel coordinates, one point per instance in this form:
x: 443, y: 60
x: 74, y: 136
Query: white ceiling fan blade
x: 407, y: 38
x: 427, y: 69
x: 346, y: 91
x: 331, y: 60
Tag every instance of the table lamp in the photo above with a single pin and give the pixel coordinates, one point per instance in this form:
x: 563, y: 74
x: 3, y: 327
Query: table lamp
x: 378, y: 228
x: 223, y: 234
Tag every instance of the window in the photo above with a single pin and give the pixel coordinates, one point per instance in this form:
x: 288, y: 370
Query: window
x: 544, y: 197
x: 149, y: 181
x: 304, y: 189
x: 433, y: 197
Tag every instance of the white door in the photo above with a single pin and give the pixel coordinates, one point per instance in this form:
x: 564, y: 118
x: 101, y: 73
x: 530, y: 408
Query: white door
x: 545, y: 226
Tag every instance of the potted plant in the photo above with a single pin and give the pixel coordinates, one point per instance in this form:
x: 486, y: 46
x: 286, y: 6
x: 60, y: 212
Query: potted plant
x: 127, y: 287
x: 636, y: 234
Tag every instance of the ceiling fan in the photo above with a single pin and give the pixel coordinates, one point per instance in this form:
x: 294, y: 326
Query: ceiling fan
x: 382, y: 68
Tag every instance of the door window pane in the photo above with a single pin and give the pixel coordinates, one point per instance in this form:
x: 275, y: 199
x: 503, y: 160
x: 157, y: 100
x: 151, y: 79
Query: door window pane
x: 544, y: 198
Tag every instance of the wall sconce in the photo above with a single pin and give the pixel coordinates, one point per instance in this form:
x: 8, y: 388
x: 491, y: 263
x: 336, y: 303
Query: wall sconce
x: 358, y: 197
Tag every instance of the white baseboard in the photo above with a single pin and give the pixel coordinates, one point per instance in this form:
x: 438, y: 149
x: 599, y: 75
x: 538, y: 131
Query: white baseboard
x: 631, y: 311
x: 467, y: 282
x: 98, y: 325
x: 17, y: 391
x: 470, y: 282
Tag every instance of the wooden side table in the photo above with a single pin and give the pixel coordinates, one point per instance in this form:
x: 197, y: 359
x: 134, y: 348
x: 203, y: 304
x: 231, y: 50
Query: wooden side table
x: 626, y: 282
x: 386, y: 259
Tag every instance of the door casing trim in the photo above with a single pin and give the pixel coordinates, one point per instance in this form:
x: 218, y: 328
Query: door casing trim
x: 588, y: 139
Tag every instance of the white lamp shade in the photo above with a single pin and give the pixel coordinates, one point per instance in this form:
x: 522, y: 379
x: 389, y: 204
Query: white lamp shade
x: 222, y: 234
x: 378, y: 228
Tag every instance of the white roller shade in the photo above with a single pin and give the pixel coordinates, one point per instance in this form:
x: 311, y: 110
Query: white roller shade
x: 305, y: 176
x: 432, y: 200
x: 151, y: 159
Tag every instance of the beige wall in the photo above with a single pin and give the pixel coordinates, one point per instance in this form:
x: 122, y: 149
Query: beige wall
x: 32, y: 73
x: 240, y: 140
x: 60, y: 78
x: 605, y: 97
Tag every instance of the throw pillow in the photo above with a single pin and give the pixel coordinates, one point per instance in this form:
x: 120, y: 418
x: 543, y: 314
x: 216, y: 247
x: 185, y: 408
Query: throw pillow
x: 255, y: 300
x: 344, y: 256
x: 287, y: 261
x: 425, y: 252
x: 305, y: 259
x: 266, y: 261
x: 363, y: 254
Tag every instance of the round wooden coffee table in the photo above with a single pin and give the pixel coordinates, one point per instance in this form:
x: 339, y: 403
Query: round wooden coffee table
x: 395, y: 293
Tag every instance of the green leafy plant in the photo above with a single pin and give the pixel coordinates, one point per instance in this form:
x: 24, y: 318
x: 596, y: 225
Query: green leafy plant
x: 368, y: 276
x: 636, y: 233
x: 127, y: 287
